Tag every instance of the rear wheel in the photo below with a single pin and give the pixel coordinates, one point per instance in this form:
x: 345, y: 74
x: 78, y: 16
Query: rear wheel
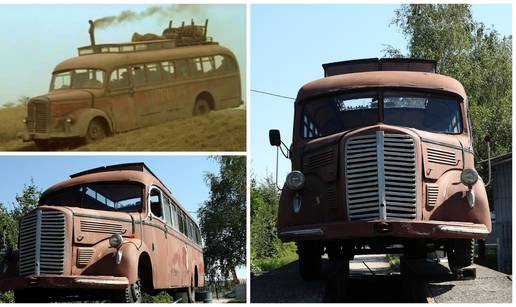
x: 309, y: 260
x: 96, y: 131
x: 201, y: 107
x: 460, y: 253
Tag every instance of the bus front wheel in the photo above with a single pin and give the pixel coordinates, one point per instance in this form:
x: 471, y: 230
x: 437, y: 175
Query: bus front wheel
x: 131, y: 294
x: 96, y: 131
x: 460, y: 253
x: 309, y: 260
x: 201, y: 107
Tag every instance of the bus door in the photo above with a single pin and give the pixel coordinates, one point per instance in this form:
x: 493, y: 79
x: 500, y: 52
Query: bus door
x: 159, y: 239
x: 148, y: 99
x: 121, y: 101
x: 174, y: 244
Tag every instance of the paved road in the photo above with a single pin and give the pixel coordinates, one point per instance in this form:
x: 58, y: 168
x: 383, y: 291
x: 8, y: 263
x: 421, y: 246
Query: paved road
x: 422, y: 282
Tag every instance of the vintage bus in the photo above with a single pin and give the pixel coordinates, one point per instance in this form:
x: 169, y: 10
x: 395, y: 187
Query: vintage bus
x: 111, y: 88
x: 382, y: 162
x: 111, y: 233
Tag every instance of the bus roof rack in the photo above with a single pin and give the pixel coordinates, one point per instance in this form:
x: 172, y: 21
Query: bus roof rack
x: 172, y: 37
x: 376, y: 64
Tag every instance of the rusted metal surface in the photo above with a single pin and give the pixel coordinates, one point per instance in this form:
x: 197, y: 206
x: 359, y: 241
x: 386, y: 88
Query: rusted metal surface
x: 117, y: 90
x: 174, y: 260
x: 440, y: 208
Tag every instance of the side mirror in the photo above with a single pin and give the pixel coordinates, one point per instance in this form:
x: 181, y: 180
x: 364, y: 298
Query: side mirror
x: 274, y: 137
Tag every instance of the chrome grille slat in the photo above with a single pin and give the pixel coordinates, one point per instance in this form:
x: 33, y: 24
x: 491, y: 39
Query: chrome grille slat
x: 38, y: 115
x: 380, y: 172
x: 43, y: 247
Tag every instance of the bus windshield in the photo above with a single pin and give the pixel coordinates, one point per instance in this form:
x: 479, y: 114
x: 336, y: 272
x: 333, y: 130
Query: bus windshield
x: 424, y: 111
x: 78, y: 79
x: 108, y: 196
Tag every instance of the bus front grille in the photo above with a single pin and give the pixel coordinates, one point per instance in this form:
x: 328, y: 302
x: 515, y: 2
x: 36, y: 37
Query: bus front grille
x: 38, y: 116
x: 380, y: 175
x: 42, y: 243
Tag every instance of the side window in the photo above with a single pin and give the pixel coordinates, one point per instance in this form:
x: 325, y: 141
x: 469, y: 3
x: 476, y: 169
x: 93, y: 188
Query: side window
x: 195, y: 66
x: 207, y: 65
x: 168, y: 71
x: 185, y: 229
x: 167, y: 208
x: 138, y: 75
x: 173, y: 209
x: 153, y: 73
x: 223, y: 63
x: 155, y: 203
x: 181, y: 68
x: 180, y: 220
x: 119, y: 78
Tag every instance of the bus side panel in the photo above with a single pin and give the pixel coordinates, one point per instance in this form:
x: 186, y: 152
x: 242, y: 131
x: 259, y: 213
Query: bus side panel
x: 120, y: 106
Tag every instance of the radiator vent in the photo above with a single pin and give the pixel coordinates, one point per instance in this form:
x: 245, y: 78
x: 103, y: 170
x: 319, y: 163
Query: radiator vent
x: 84, y: 256
x: 332, y: 197
x: 441, y: 156
x: 318, y: 160
x: 432, y: 191
x: 99, y: 227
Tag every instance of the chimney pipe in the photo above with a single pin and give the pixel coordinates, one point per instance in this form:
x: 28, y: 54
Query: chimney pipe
x: 205, y: 28
x: 170, y: 24
x: 92, y: 32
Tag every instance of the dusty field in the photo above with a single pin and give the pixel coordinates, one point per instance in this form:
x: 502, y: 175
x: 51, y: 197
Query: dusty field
x: 223, y: 130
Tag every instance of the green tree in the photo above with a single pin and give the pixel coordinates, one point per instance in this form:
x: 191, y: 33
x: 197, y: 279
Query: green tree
x: 10, y: 220
x: 480, y: 58
x: 264, y: 211
x: 222, y: 218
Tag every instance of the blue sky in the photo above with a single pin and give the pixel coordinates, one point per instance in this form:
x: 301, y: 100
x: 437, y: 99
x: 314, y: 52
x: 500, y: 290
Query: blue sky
x: 289, y: 43
x: 183, y: 175
x: 37, y: 37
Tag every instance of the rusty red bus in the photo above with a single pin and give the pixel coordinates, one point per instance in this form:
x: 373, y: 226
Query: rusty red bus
x: 117, y: 87
x: 112, y: 232
x: 382, y: 162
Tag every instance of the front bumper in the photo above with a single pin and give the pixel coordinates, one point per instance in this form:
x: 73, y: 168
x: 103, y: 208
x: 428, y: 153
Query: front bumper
x: 64, y: 282
x: 30, y: 136
x: 390, y: 228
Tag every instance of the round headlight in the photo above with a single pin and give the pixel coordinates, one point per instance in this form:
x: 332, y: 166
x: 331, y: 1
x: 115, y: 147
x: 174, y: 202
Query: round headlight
x: 69, y: 120
x: 115, y: 240
x: 469, y: 176
x: 295, y: 180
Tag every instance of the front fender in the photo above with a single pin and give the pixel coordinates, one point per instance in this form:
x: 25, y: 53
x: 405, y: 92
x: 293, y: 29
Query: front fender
x: 452, y: 204
x: 82, y: 118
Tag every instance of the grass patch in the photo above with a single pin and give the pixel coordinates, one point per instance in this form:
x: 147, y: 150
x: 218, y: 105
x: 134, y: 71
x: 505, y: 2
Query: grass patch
x: 287, y: 255
x: 223, y: 130
x: 11, y: 122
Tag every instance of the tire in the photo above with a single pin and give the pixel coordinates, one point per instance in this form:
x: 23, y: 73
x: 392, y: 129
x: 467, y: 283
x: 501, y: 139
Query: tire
x: 309, y: 260
x: 460, y: 253
x: 131, y: 294
x: 338, y: 287
x: 96, y: 131
x: 201, y: 107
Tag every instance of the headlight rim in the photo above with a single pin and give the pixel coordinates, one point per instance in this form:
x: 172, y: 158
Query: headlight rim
x: 295, y: 187
x: 119, y: 239
x: 464, y: 176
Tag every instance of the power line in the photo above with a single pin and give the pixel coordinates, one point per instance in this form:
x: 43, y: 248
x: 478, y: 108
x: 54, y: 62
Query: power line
x: 272, y: 94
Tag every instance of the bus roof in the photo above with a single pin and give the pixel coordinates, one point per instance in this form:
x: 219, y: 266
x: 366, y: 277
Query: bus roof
x: 385, y: 79
x: 110, y: 61
x: 135, y: 172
